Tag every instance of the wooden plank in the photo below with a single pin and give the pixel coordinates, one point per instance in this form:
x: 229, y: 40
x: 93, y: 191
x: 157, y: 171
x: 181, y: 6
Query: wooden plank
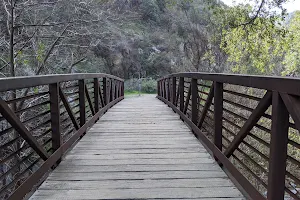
x: 96, y: 176
x: 100, y: 162
x: 138, y: 150
x: 138, y: 146
x: 137, y: 168
x: 155, y: 193
x: 137, y: 156
x: 243, y: 183
x: 150, y: 142
x: 137, y: 139
x: 148, y: 183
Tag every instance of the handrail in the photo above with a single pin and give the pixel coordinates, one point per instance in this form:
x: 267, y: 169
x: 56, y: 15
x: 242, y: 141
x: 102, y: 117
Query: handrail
x: 12, y: 83
x: 250, y: 124
x: 47, y: 115
x: 278, y: 83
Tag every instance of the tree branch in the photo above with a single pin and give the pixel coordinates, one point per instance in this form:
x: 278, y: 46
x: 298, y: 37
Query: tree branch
x: 255, y: 16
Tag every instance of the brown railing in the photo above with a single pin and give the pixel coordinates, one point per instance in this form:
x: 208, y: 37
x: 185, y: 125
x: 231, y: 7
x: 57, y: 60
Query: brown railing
x: 250, y: 124
x: 42, y: 117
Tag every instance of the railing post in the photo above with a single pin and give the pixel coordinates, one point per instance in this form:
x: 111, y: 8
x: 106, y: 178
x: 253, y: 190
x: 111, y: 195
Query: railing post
x: 96, y: 94
x: 110, y: 90
x: 169, y: 89
x: 81, y: 84
x: 218, y: 113
x: 117, y: 89
x: 158, y: 88
x: 166, y: 89
x: 162, y: 88
x: 181, y: 93
x: 278, y: 148
x: 173, y: 90
x: 105, y: 90
x: 194, y: 91
x: 123, y: 88
x: 55, y: 116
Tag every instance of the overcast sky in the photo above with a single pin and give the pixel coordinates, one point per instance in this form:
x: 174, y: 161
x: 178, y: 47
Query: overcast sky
x: 291, y: 6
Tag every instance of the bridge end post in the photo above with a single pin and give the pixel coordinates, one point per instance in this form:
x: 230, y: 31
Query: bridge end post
x: 278, y: 148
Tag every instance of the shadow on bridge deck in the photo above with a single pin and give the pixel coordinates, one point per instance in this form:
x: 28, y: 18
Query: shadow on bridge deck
x: 139, y: 149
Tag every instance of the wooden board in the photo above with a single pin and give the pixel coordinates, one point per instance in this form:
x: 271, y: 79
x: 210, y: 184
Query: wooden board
x: 139, y: 149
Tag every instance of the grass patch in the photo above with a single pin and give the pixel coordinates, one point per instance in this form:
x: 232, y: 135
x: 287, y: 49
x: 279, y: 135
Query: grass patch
x: 134, y: 92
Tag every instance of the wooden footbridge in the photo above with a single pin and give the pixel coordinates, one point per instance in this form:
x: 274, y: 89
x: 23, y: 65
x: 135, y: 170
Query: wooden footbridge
x: 203, y: 136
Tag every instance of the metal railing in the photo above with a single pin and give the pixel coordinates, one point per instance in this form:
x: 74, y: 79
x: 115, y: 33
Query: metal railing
x: 250, y: 124
x: 46, y: 116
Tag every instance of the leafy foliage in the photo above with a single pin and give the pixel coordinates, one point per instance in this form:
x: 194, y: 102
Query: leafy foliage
x: 292, y: 47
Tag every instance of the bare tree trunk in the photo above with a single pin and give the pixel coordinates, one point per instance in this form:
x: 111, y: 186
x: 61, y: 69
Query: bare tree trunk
x: 11, y: 40
x: 13, y: 94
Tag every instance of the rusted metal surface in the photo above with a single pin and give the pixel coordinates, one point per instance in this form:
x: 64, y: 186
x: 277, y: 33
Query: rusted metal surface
x: 47, y: 124
x: 250, y: 124
x: 280, y: 84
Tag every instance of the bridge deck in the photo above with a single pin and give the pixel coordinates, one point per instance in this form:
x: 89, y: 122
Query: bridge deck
x: 140, y: 149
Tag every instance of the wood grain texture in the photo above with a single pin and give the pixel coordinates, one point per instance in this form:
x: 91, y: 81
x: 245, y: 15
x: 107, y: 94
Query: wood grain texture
x: 139, y: 149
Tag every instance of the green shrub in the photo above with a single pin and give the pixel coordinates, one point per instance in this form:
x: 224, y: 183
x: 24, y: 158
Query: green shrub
x: 148, y: 85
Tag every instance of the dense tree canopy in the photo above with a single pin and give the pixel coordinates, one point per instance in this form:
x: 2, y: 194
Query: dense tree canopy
x: 147, y: 38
